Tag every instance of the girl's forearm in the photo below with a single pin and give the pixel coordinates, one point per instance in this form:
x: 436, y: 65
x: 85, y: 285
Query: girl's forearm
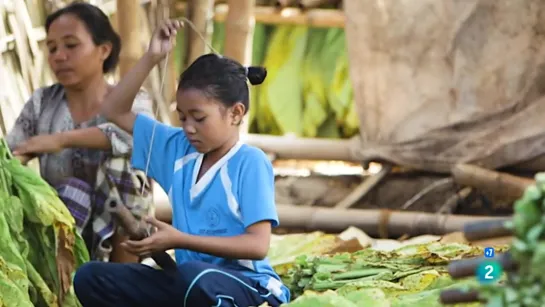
x: 119, y: 101
x: 246, y: 246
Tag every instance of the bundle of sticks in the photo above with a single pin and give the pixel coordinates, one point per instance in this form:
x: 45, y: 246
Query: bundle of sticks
x: 459, y: 269
x: 523, y: 262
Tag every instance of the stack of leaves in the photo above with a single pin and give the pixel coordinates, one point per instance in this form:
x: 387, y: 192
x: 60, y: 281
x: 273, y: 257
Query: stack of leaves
x: 409, y: 276
x: 40, y: 247
x: 308, y: 91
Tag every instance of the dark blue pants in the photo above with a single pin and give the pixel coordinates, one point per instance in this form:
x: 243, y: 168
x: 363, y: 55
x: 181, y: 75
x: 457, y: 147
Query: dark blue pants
x: 100, y: 284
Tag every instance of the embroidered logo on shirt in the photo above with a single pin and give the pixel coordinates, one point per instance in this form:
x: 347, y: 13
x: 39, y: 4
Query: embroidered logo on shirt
x: 213, y: 217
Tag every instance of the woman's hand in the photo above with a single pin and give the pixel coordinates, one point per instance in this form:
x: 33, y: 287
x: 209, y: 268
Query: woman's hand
x: 23, y: 158
x: 40, y: 144
x: 163, y: 39
x: 165, y: 238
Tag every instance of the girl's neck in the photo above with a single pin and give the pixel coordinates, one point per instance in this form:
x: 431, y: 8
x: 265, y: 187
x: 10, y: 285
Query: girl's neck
x: 215, y: 155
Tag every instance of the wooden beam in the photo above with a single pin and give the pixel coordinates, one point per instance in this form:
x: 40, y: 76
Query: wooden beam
x: 128, y: 12
x: 496, y: 184
x: 200, y: 13
x: 306, y: 148
x: 363, y: 188
x: 397, y: 223
x: 320, y: 18
x: 239, y: 33
x: 310, y: 4
x: 284, y: 3
x: 7, y: 43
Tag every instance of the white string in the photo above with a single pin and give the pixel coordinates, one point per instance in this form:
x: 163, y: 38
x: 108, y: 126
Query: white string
x: 161, y: 86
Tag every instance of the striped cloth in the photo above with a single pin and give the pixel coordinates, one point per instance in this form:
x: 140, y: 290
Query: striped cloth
x: 115, y: 180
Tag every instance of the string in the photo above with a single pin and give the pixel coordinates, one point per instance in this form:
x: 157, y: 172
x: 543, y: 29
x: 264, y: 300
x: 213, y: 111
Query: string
x: 161, y: 86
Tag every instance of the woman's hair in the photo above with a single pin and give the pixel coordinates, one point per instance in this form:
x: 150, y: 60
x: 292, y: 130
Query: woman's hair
x: 222, y: 78
x: 97, y: 24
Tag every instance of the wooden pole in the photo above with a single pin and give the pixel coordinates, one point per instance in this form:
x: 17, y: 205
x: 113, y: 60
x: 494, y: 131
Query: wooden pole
x: 164, y: 9
x: 396, y: 223
x: 371, y: 221
x: 200, y: 14
x: 284, y: 3
x: 319, y: 18
x: 128, y: 12
x: 306, y: 148
x: 496, y: 184
x: 310, y: 4
x: 239, y: 32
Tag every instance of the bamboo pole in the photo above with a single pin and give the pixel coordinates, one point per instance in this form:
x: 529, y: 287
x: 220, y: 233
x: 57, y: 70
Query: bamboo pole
x: 284, y: 3
x: 200, y: 14
x: 497, y: 184
x: 239, y: 32
x: 397, y: 223
x: 306, y: 148
x: 164, y: 9
x: 128, y: 12
x: 310, y: 4
x: 324, y: 18
x: 371, y: 221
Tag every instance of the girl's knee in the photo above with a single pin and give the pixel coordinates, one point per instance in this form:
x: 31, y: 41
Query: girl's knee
x: 194, y: 267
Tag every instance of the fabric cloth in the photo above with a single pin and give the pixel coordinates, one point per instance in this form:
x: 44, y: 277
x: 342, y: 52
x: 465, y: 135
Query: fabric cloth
x: 234, y: 193
x: 76, y: 173
x: 115, y: 181
x: 195, y: 284
x: 47, y: 112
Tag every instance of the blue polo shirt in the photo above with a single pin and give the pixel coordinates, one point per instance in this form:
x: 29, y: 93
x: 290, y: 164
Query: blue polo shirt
x: 236, y: 192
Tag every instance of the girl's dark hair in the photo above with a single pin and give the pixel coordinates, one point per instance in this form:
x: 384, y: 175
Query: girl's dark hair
x: 222, y: 78
x: 98, y: 25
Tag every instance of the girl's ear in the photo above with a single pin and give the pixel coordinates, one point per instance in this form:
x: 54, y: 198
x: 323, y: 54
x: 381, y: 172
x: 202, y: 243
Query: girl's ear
x: 237, y: 113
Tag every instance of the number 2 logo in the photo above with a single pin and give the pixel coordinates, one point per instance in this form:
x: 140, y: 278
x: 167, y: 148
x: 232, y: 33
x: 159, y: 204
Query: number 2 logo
x: 489, y: 270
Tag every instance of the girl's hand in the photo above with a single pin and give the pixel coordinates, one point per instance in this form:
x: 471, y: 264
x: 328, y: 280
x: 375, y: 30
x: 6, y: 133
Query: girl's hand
x: 40, y: 144
x: 163, y: 39
x: 163, y: 239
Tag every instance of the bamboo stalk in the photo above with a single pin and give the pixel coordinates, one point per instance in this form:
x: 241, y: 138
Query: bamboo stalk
x: 284, y: 3
x: 239, y: 32
x: 321, y: 18
x: 199, y: 12
x: 153, y: 82
x: 128, y: 12
x: 456, y: 296
x: 310, y: 4
x: 497, y: 184
x: 467, y: 267
x: 306, y: 148
x: 164, y: 9
x: 398, y: 222
x: 363, y: 188
x: 486, y: 230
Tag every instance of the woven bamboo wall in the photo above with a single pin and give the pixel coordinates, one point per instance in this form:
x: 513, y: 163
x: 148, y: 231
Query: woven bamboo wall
x: 23, y: 64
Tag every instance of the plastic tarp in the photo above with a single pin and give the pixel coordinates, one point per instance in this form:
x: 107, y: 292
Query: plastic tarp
x: 439, y: 82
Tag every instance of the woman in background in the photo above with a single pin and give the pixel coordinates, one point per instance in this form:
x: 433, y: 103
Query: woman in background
x: 61, y: 125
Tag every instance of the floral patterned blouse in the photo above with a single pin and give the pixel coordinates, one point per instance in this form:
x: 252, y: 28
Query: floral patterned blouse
x: 47, y: 112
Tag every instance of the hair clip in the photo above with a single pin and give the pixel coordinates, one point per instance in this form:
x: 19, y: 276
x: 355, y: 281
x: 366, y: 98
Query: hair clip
x: 246, y: 70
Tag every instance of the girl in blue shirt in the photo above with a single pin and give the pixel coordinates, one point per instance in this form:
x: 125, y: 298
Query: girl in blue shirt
x: 221, y: 191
